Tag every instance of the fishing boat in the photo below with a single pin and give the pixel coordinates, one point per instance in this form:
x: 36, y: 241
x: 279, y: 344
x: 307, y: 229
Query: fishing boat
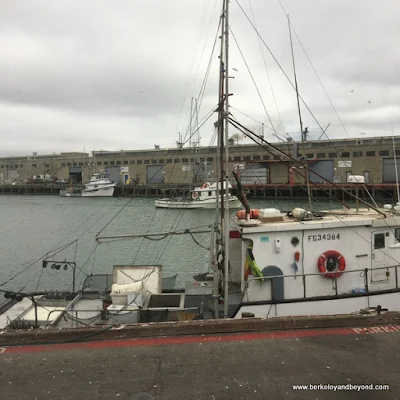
x: 205, y: 196
x: 263, y: 262
x: 98, y: 186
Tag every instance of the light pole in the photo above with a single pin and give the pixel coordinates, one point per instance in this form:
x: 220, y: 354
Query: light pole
x: 65, y: 264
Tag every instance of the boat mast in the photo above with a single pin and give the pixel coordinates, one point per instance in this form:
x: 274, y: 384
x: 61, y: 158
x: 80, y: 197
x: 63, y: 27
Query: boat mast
x: 395, y: 168
x: 300, y: 120
x: 226, y: 181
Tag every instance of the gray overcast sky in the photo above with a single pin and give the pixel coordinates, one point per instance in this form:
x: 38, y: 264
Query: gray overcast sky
x: 98, y: 74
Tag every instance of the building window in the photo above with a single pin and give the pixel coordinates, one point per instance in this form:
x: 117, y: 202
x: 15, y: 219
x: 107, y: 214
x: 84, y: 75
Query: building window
x: 246, y: 158
x: 236, y: 158
x: 2, y: 166
x: 47, y: 165
x: 154, y: 161
x: 169, y: 161
x: 112, y: 162
x: 192, y: 159
x: 177, y: 160
x: 118, y: 162
x: 98, y: 162
x: 332, y: 155
x: 320, y: 155
x: 397, y: 152
x: 345, y: 154
x: 132, y: 161
x: 21, y: 165
x: 81, y: 164
x: 68, y: 164
x: 267, y: 157
x: 309, y: 155
x: 357, y: 153
x: 125, y: 162
x: 105, y: 162
x: 397, y: 234
x: 185, y: 160
x: 256, y: 157
x: 161, y: 161
x: 75, y: 164
x: 210, y: 159
x: 277, y: 157
x: 370, y: 153
x: 146, y: 162
x: 139, y: 161
x: 33, y: 166
x: 384, y: 153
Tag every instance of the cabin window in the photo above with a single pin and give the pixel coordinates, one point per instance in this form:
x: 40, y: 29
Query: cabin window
x: 379, y: 241
x: 397, y: 234
x: 209, y: 193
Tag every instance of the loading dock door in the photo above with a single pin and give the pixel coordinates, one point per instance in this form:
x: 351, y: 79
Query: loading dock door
x: 154, y: 174
x: 75, y: 174
x: 323, y: 168
x: 388, y: 170
x: 114, y: 173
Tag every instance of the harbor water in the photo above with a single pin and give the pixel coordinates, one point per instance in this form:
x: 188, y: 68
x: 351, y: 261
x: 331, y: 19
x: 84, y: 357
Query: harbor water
x: 33, y: 227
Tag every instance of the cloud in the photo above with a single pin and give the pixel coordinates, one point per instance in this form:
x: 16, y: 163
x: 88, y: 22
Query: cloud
x: 101, y: 75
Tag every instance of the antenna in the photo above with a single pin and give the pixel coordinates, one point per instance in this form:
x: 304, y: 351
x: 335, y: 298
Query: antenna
x: 305, y: 132
x: 395, y: 166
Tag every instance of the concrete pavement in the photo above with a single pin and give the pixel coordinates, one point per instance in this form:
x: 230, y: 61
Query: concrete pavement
x: 245, y: 366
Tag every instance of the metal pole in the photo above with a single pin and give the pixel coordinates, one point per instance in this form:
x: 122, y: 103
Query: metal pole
x: 226, y: 227
x: 216, y: 275
x: 395, y: 168
x: 73, y: 277
x: 35, y: 305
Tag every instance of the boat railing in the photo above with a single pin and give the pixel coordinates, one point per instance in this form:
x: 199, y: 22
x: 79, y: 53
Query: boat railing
x: 364, y: 273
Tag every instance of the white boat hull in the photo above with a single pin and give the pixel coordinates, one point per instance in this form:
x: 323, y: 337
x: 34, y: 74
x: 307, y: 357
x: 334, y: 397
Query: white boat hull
x: 391, y: 301
x: 98, y: 192
x: 234, y: 202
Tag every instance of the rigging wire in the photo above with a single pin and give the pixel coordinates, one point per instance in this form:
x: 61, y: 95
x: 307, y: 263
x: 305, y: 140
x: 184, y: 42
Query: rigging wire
x: 266, y: 69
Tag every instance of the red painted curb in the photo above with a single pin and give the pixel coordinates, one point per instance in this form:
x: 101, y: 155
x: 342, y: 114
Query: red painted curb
x: 198, y: 339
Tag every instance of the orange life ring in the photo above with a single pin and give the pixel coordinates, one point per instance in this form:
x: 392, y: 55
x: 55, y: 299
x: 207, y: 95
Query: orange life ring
x: 194, y: 195
x: 329, y: 257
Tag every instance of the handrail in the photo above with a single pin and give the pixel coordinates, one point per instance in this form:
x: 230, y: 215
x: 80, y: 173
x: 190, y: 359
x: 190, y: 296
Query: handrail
x: 363, y: 273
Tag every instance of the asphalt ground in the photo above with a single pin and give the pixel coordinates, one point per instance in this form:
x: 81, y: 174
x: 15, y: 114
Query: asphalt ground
x: 239, y: 366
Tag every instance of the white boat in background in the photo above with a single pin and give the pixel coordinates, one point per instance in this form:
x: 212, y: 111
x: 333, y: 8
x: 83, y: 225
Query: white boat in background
x: 204, y: 196
x: 98, y: 186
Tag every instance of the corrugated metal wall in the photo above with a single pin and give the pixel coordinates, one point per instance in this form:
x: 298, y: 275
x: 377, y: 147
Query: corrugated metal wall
x: 279, y: 173
x: 114, y: 173
x: 323, y: 168
x: 254, y: 174
x: 388, y: 170
x: 154, y: 174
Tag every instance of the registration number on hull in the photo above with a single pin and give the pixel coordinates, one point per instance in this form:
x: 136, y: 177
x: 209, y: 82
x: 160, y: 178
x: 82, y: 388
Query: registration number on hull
x: 325, y: 236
